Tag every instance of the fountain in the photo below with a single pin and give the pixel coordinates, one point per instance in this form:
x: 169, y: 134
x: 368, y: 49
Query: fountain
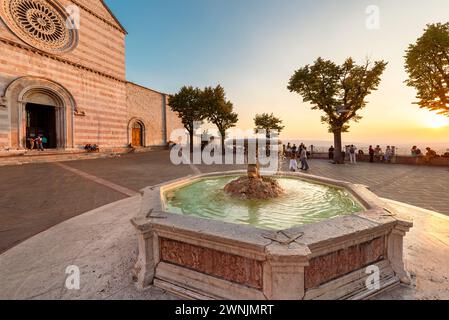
x: 213, y: 237
x: 254, y: 186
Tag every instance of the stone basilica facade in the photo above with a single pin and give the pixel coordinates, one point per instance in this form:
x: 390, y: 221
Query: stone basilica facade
x: 67, y: 82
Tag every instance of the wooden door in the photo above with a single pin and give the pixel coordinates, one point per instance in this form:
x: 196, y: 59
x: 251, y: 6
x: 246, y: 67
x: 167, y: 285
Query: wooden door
x: 137, y: 135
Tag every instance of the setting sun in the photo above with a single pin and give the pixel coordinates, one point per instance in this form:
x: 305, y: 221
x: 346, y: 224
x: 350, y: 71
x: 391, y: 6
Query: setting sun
x: 435, y: 121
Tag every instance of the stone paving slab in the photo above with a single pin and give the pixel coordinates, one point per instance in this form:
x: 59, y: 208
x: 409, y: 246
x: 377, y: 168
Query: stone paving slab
x: 37, y: 197
x: 422, y: 186
x: 103, y: 244
x: 426, y: 249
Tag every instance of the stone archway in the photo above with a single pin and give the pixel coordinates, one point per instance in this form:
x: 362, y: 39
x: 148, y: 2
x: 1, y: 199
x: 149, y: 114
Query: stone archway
x: 39, y: 91
x: 137, y: 133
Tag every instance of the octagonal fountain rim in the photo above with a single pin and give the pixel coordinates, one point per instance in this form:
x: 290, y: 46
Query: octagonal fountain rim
x: 210, y: 259
x: 153, y: 213
x: 365, y: 202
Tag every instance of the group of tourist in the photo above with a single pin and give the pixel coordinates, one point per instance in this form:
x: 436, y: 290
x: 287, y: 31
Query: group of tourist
x: 38, y: 143
x: 377, y: 154
x: 428, y: 156
x: 295, y: 153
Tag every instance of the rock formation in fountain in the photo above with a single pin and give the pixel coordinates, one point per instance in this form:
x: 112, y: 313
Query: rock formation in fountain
x: 254, y: 186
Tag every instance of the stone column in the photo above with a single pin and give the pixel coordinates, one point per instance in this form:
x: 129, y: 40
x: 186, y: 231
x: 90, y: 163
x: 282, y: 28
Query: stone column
x: 396, y: 250
x: 144, y: 269
x: 60, y: 134
x: 284, y: 271
x: 21, y: 125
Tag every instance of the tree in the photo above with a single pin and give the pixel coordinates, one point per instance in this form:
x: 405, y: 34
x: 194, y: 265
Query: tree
x: 268, y: 123
x: 187, y: 103
x: 219, y: 111
x: 338, y: 91
x: 427, y: 63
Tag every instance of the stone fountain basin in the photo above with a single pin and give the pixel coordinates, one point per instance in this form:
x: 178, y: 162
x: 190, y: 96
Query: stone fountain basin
x: 207, y: 259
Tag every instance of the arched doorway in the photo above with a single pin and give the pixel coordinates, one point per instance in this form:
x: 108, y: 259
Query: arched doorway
x: 41, y: 122
x: 137, y: 135
x: 40, y: 107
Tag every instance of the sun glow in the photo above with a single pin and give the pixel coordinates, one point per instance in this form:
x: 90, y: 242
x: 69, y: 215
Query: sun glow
x: 436, y: 121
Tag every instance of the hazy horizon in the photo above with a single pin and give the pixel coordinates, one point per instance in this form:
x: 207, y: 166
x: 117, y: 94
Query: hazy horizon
x: 253, y: 47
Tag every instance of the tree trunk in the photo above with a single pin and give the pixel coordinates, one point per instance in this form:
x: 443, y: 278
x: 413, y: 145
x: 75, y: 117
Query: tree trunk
x: 191, y: 134
x: 338, y: 155
x: 223, y: 147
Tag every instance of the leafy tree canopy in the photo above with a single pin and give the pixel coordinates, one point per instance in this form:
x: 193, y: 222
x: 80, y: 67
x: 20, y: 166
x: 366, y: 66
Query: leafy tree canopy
x: 187, y: 103
x: 219, y: 110
x: 338, y: 90
x: 427, y: 63
x: 268, y: 123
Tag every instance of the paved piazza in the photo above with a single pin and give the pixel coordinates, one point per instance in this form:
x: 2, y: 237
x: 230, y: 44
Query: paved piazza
x: 40, y: 199
x: 36, y: 197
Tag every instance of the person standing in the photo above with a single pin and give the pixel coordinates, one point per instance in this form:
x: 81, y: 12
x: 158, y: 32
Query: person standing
x: 40, y: 145
x: 44, y: 141
x: 378, y: 153
x: 347, y: 152
x: 413, y: 151
x: 294, y: 149
x: 293, y: 162
x: 289, y: 150
x: 388, y: 154
x: 304, y: 160
x: 32, y: 141
x: 371, y: 154
x: 331, y: 153
x: 353, y: 154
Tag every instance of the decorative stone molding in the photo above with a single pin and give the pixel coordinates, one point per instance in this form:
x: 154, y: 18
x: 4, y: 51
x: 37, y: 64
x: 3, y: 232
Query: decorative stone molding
x: 141, y: 122
x: 3, y: 102
x: 80, y: 113
x: 41, y: 24
x: 30, y: 89
x: 119, y: 27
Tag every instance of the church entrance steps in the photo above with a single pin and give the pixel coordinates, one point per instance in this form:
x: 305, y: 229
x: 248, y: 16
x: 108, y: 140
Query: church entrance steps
x: 28, y: 157
x: 148, y: 149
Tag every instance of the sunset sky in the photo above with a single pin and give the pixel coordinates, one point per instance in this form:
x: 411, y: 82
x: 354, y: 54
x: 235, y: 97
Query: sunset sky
x: 252, y: 47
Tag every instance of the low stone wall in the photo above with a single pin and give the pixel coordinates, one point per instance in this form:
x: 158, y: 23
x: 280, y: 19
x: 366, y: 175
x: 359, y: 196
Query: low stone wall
x: 439, y: 161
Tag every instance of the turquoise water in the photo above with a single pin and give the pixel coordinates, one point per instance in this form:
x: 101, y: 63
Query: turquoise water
x: 303, y: 203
